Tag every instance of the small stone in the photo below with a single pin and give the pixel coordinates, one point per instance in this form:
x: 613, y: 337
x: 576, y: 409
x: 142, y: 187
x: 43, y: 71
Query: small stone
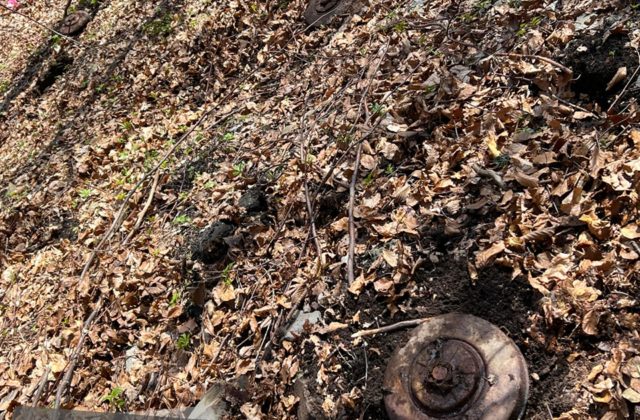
x: 297, y: 327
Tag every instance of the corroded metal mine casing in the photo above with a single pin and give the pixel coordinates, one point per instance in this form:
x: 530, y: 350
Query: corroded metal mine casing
x: 457, y: 366
x: 74, y: 23
x: 320, y: 12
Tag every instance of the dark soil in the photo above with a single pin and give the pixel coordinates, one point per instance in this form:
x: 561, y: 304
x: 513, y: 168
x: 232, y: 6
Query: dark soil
x: 442, y: 289
x: 595, y: 61
x: 210, y: 246
x: 253, y: 201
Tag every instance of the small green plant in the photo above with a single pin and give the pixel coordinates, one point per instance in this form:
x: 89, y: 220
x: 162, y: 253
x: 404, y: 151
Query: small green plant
x: 228, y: 136
x: 4, y: 86
x: 467, y: 17
x: 238, y: 169
x: 85, y: 4
x: 121, y: 196
x: 524, y: 27
x: 368, y: 179
x: 209, y: 184
x: 84, y: 193
x: 482, y: 5
x: 101, y: 88
x: 377, y: 109
x: 502, y: 160
x: 184, y: 341
x: 430, y: 89
x: 400, y: 27
x: 226, y: 274
x: 389, y: 170
x: 160, y: 27
x: 182, y: 219
x: 344, y: 139
x: 115, y: 398
x: 175, y: 297
x: 126, y: 125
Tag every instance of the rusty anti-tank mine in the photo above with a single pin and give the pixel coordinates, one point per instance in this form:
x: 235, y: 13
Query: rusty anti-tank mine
x: 74, y: 23
x: 320, y: 12
x: 457, y: 366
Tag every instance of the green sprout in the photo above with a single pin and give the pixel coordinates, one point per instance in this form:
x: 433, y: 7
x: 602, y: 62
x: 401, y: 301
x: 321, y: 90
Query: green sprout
x: 175, y: 297
x: 226, y: 274
x: 115, y: 398
x: 84, y: 193
x: 377, y: 109
x: 184, y: 341
x: 502, y: 160
x: 238, y: 169
x: 182, y: 219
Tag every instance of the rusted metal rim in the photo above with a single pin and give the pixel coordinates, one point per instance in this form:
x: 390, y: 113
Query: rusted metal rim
x: 74, y: 23
x: 320, y: 12
x: 457, y: 366
x: 324, y: 6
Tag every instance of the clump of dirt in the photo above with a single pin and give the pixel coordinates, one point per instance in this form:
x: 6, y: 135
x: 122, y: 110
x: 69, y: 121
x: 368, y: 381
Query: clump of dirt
x: 441, y: 289
x: 210, y: 247
x: 253, y: 201
x: 595, y: 60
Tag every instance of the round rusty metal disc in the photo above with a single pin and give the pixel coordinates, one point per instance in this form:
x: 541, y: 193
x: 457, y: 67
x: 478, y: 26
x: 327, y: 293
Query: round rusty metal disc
x: 320, y: 12
x: 74, y: 23
x: 456, y: 366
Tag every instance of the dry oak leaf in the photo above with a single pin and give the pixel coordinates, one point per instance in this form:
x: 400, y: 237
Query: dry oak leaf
x: 598, y: 228
x: 631, y: 231
x: 631, y: 395
x: 590, y: 322
x: 224, y: 293
x: 484, y: 257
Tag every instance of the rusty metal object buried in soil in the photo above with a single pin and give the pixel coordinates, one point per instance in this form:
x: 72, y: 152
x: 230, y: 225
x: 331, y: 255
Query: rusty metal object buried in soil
x: 456, y: 366
x: 74, y: 23
x: 320, y: 12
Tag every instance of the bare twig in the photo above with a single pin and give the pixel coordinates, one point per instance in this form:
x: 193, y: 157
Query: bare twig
x: 43, y: 382
x: 356, y: 165
x: 144, y: 209
x: 572, y: 105
x: 488, y: 173
x: 626, y: 87
x: 66, y: 379
x: 538, y: 57
x: 352, y: 225
x: 388, y: 328
x: 40, y: 24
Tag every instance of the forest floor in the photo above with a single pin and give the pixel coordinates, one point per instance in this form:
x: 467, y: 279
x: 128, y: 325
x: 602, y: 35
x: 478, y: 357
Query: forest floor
x: 181, y: 179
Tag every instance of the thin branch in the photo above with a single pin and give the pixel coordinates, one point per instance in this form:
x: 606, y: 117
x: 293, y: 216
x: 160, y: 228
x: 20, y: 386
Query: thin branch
x: 144, y: 209
x: 352, y: 224
x: 488, y: 173
x: 43, y: 382
x: 388, y: 328
x: 538, y: 57
x: 66, y: 379
x: 40, y: 24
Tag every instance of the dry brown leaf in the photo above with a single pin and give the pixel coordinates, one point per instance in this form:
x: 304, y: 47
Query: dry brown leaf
x: 590, y: 322
x: 631, y: 231
x: 526, y: 180
x: 390, y: 257
x: 484, y: 257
